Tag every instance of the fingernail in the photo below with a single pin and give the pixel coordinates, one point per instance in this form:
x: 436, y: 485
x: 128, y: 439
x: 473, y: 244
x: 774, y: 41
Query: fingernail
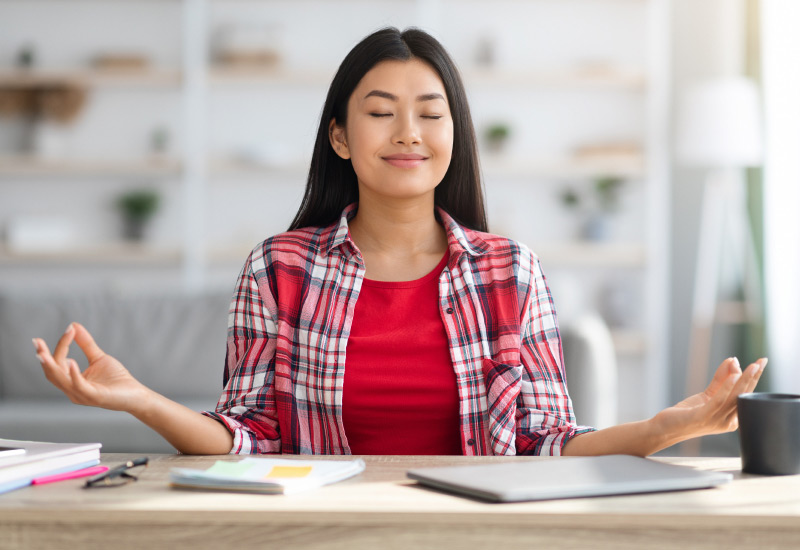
x: 35, y: 344
x: 736, y: 362
x: 40, y: 358
x: 763, y: 362
x: 69, y: 328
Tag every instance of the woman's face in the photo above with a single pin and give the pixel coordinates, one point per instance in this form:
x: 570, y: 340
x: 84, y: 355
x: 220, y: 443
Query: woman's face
x: 399, y: 131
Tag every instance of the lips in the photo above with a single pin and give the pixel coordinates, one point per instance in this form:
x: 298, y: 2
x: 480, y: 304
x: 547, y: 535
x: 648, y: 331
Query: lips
x: 405, y: 160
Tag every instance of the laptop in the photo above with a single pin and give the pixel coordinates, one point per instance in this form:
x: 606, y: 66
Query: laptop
x: 566, y: 477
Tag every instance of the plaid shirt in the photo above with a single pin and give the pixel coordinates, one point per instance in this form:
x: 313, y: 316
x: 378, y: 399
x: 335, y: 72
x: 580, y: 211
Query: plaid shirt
x: 290, y: 318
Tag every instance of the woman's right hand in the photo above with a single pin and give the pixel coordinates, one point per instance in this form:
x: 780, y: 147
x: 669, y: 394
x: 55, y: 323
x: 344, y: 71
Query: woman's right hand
x: 105, y: 383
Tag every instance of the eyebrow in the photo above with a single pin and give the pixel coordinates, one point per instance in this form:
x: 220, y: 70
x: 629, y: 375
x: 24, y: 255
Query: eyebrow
x: 392, y: 97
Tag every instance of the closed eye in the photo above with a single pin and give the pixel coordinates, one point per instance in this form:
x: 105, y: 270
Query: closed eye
x: 432, y: 117
x: 380, y: 115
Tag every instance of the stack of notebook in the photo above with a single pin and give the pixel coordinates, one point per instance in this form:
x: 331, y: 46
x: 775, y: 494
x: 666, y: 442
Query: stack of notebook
x: 23, y: 461
x: 278, y: 476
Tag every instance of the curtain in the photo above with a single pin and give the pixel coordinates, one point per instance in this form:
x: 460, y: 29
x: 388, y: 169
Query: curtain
x: 780, y: 20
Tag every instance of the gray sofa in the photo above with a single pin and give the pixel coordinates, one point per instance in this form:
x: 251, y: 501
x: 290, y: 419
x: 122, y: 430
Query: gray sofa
x: 174, y: 344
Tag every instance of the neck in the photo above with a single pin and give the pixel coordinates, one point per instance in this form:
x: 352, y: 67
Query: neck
x: 397, y: 228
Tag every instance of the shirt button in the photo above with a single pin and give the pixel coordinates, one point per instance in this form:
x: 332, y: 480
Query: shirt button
x: 470, y: 441
x: 449, y: 310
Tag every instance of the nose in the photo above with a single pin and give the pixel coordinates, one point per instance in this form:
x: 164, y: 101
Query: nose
x: 406, y: 131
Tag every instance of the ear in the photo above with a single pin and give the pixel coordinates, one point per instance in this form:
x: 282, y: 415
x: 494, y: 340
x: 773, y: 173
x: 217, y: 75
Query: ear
x: 338, y: 139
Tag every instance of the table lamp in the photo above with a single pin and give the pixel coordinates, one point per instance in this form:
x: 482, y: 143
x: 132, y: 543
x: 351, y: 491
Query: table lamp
x: 719, y: 129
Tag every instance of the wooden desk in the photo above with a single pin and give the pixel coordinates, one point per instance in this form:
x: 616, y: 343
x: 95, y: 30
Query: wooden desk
x: 382, y: 509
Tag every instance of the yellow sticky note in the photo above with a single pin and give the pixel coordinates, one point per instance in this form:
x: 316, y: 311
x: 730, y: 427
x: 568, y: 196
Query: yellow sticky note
x: 289, y: 471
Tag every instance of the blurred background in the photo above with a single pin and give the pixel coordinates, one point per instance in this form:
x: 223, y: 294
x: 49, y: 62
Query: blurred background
x: 146, y: 146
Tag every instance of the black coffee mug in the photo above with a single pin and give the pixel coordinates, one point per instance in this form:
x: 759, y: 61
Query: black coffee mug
x: 769, y: 433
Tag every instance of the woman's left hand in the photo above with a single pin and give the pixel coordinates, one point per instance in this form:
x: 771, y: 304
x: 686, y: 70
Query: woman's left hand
x: 714, y: 410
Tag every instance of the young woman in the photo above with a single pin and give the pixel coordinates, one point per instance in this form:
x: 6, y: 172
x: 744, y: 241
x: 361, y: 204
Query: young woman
x: 386, y: 320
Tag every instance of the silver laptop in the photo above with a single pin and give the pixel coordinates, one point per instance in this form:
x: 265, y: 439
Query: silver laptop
x: 566, y: 477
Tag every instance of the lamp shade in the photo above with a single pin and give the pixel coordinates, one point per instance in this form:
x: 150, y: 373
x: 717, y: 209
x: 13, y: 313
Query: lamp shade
x: 719, y: 124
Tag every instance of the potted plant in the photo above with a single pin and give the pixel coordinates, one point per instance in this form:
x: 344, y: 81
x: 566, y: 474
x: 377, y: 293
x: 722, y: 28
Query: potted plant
x: 607, y: 189
x: 598, y: 207
x: 137, y: 207
x: 496, y: 136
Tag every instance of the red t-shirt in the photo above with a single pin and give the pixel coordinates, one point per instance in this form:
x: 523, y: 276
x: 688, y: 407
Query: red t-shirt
x: 400, y: 395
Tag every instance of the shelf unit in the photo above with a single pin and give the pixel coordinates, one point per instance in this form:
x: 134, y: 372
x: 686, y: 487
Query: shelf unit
x: 29, y: 166
x: 123, y: 254
x: 197, y: 172
x: 91, y: 78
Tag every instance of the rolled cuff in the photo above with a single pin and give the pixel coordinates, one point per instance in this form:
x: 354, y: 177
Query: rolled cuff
x: 551, y: 442
x: 249, y: 437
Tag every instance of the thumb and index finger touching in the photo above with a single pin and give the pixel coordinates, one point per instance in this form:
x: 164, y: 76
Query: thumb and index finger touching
x: 77, y: 333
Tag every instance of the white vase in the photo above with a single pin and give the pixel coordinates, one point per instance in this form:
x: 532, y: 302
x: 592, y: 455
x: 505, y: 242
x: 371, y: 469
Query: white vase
x: 50, y: 140
x: 597, y: 228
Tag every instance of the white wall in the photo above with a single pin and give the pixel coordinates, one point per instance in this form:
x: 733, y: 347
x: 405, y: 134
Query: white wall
x: 549, y: 121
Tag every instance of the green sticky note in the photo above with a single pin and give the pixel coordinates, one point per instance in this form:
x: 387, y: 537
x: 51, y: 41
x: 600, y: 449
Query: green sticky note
x: 229, y: 469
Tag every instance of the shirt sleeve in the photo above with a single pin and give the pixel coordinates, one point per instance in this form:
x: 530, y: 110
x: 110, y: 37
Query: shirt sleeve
x: 545, y: 420
x: 247, y: 404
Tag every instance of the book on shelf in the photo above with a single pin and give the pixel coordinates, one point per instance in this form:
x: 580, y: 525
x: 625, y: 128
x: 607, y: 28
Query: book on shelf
x: 266, y: 475
x: 41, y: 459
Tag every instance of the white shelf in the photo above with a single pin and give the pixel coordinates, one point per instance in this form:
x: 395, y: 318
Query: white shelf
x: 40, y: 167
x: 600, y: 78
x: 230, y: 168
x: 233, y: 254
x: 126, y: 254
x: 122, y: 78
x: 223, y: 75
x: 591, y: 255
x: 514, y: 167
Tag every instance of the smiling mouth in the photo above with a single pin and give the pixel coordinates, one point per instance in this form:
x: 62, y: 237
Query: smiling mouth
x: 405, y: 161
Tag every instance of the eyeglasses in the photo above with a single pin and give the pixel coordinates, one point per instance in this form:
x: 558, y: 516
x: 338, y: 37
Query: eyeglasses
x: 119, y: 475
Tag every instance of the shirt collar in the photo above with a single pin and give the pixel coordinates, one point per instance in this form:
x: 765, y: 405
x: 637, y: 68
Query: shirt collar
x: 462, y: 239
x: 459, y: 239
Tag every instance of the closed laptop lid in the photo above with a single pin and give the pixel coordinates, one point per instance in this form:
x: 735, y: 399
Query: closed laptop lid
x: 566, y: 477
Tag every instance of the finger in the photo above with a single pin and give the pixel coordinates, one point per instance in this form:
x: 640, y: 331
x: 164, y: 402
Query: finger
x: 752, y: 382
x: 73, y: 367
x: 80, y: 386
x: 745, y: 383
x: 728, y: 411
x: 44, y: 355
x: 56, y: 373
x: 62, y: 347
x: 87, y: 343
x: 40, y: 346
x: 721, y: 397
x: 726, y: 368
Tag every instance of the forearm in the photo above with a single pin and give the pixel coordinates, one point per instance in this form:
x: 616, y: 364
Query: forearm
x: 641, y: 438
x: 189, y: 431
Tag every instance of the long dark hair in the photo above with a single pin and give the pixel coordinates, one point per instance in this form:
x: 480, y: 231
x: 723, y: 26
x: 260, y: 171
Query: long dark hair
x: 332, y: 182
